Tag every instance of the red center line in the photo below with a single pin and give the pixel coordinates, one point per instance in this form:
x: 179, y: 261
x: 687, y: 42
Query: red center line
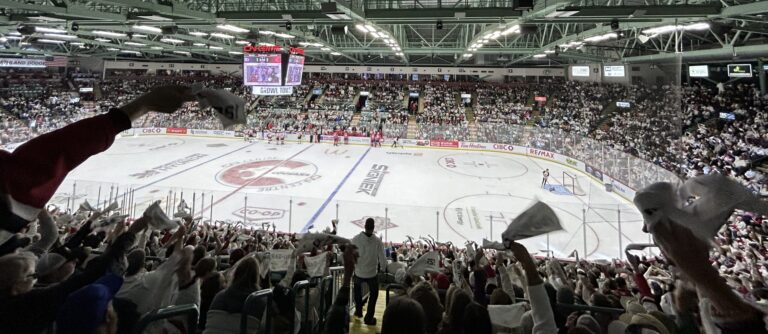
x: 252, y: 180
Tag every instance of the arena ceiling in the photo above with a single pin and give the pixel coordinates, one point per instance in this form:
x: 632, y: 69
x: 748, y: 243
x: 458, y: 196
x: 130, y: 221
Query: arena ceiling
x: 397, y: 32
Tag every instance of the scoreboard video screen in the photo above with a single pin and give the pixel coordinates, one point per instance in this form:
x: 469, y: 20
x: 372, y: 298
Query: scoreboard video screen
x: 272, y: 69
x: 295, y: 69
x: 262, y: 70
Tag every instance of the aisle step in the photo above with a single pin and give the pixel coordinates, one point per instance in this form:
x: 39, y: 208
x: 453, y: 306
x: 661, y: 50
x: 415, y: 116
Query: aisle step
x: 356, y: 325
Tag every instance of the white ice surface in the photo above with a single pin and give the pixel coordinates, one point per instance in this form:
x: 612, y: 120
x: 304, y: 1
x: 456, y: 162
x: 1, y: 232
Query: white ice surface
x: 450, y: 195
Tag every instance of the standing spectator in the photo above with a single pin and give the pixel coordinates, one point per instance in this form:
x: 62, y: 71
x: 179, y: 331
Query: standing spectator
x: 371, y: 261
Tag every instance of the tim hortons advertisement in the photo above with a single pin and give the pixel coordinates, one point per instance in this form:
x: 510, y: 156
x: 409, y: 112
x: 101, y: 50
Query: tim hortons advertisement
x: 176, y: 131
x: 150, y: 131
x: 444, y: 143
x: 541, y: 153
x: 473, y: 146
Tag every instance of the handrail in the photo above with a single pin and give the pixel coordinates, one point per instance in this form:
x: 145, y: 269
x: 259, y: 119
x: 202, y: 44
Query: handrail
x: 302, y: 285
x: 392, y: 287
x: 576, y: 307
x: 326, y: 284
x: 252, y: 298
x: 188, y: 310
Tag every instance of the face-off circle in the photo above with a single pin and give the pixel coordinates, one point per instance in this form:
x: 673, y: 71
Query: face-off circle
x: 470, y: 216
x: 481, y: 165
x: 271, y: 174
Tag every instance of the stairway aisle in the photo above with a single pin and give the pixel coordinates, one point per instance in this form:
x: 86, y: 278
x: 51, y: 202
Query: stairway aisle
x: 413, y: 128
x: 356, y: 326
x: 355, y: 120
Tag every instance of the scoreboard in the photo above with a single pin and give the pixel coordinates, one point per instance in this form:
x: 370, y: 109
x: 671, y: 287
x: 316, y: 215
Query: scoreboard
x: 272, y: 70
x: 262, y: 70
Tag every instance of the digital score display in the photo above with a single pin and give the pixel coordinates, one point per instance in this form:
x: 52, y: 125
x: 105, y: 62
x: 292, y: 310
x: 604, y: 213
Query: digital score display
x: 262, y: 70
x: 740, y: 70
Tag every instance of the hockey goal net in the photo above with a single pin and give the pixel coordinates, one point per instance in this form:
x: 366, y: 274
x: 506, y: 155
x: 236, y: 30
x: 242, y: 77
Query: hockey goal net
x: 571, y: 183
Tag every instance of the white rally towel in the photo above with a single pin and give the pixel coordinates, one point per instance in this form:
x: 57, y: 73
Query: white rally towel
x: 279, y: 259
x: 537, y: 220
x: 713, y: 198
x: 87, y: 207
x: 310, y: 241
x: 427, y: 263
x: 507, y: 316
x: 106, y: 223
x: 228, y: 107
x: 158, y: 220
x: 487, y: 244
x: 316, y: 264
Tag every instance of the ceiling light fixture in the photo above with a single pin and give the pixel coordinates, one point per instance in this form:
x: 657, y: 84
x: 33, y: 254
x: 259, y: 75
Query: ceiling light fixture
x: 231, y: 28
x: 108, y: 33
x: 171, y: 40
x: 50, y: 30
x: 51, y: 41
x: 220, y: 35
x: 60, y: 36
x: 151, y: 29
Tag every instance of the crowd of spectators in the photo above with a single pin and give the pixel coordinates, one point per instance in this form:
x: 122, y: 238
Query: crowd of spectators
x: 79, y: 273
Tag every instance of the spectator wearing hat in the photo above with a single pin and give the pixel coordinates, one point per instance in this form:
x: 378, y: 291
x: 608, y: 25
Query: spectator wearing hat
x: 89, y: 310
x: 52, y: 268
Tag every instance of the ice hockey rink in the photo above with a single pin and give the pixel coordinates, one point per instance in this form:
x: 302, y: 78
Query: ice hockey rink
x: 449, y: 195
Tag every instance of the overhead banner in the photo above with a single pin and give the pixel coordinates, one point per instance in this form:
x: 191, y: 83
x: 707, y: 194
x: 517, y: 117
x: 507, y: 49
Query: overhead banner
x: 272, y: 91
x: 580, y: 71
x: 24, y: 63
x: 613, y: 70
x: 698, y: 71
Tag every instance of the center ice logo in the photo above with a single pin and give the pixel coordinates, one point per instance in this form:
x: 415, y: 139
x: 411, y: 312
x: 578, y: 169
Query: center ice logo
x: 380, y: 223
x: 268, y: 175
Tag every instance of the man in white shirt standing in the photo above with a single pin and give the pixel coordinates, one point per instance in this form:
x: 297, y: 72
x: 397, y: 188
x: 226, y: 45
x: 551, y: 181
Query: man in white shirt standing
x: 370, y: 263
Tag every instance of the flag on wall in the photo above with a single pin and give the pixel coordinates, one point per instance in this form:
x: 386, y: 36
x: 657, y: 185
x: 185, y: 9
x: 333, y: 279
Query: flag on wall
x: 56, y: 61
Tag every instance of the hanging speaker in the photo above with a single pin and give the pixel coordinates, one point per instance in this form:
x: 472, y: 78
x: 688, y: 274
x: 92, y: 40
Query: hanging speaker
x: 170, y: 30
x: 528, y: 29
x: 339, y: 30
